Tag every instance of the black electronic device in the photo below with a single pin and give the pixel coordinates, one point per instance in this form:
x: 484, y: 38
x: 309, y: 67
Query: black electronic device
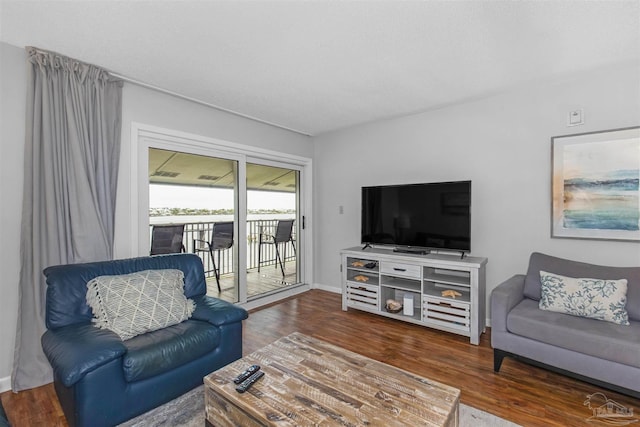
x: 246, y: 374
x: 418, y: 217
x: 246, y: 384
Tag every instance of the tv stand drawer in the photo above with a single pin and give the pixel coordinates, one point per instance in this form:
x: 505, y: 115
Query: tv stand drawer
x: 362, y: 296
x: 447, y: 312
x: 412, y: 271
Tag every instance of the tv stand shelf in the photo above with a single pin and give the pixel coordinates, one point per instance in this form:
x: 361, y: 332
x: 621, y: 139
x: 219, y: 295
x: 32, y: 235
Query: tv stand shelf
x: 373, y: 275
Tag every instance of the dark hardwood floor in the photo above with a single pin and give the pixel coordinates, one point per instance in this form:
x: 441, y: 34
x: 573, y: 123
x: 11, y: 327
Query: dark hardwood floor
x: 521, y: 393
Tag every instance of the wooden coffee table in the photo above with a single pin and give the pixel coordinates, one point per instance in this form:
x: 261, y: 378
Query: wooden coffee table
x: 309, y: 382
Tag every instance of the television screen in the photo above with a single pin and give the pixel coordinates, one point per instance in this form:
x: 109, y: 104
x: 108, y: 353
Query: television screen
x: 431, y: 215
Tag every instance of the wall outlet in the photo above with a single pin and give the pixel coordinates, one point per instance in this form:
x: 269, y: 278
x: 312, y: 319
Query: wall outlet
x: 340, y: 209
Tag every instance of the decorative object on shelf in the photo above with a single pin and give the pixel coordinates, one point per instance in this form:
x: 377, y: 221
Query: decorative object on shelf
x: 371, y: 264
x: 451, y: 293
x: 595, y: 185
x: 357, y: 264
x: 361, y: 278
x: 393, y: 306
x: 408, y: 305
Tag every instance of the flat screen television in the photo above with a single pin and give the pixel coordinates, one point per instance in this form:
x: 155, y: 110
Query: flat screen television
x: 418, y: 217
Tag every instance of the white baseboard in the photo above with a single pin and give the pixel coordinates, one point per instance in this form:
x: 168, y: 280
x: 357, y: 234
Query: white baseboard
x: 5, y: 384
x: 326, y: 288
x: 275, y: 297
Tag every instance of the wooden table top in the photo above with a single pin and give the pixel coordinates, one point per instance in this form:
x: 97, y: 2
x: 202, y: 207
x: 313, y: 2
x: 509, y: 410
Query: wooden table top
x: 310, y: 382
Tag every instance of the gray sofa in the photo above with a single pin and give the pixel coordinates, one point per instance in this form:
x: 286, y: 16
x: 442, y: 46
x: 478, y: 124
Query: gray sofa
x: 599, y: 352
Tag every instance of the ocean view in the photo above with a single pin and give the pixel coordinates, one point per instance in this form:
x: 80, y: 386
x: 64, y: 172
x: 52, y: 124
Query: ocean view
x: 606, y: 203
x: 188, y: 219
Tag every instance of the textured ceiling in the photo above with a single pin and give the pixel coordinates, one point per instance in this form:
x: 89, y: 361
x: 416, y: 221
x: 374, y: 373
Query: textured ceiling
x: 317, y: 66
x: 193, y: 170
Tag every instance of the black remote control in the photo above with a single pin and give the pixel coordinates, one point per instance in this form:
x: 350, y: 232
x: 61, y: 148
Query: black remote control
x: 246, y: 374
x: 246, y: 384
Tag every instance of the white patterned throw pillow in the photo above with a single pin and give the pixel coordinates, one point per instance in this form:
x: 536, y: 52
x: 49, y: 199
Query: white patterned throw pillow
x: 132, y: 304
x: 594, y: 298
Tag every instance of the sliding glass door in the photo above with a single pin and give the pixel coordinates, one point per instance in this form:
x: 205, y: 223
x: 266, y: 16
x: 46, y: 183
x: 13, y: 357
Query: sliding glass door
x: 241, y: 215
x: 273, y: 220
x: 200, y: 194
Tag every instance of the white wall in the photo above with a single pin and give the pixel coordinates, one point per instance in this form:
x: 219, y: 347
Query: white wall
x: 149, y: 107
x: 501, y: 143
x: 139, y: 105
x: 12, y: 126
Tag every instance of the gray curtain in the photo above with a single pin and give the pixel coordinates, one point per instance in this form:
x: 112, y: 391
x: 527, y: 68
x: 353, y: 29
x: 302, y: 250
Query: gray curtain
x: 72, y: 150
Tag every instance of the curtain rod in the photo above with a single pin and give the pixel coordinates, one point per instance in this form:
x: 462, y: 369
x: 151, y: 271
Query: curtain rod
x: 198, y: 101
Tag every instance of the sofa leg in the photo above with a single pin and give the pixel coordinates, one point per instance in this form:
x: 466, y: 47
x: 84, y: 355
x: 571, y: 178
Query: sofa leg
x: 498, y: 355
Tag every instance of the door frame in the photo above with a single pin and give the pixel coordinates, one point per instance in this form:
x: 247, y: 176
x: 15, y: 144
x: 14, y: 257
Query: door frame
x: 145, y: 136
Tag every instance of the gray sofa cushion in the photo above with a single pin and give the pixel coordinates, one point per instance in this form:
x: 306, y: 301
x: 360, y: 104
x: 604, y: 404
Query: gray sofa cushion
x: 538, y: 261
x: 605, y: 340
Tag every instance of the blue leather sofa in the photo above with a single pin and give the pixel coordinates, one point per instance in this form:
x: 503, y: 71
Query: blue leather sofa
x: 101, y: 380
x: 3, y: 417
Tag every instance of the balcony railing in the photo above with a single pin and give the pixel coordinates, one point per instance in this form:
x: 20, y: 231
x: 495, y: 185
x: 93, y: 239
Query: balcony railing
x: 195, y: 231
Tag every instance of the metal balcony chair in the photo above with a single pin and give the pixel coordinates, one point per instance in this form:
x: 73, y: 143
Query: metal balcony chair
x: 221, y: 239
x: 167, y: 239
x: 283, y: 234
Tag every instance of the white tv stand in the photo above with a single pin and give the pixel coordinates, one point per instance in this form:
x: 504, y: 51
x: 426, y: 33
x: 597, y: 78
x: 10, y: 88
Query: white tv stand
x: 372, y: 276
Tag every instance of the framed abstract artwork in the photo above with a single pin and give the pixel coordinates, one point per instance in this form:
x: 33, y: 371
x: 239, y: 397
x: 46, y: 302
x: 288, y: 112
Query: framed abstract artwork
x: 596, y: 185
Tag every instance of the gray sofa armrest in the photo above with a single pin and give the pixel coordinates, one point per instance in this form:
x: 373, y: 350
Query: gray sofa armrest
x: 503, y: 298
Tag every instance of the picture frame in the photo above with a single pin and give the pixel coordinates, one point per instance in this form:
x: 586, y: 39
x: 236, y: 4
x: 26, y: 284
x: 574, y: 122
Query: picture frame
x: 595, y: 185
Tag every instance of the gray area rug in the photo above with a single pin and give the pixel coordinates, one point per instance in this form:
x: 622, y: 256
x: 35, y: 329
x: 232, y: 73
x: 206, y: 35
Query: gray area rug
x: 188, y: 411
